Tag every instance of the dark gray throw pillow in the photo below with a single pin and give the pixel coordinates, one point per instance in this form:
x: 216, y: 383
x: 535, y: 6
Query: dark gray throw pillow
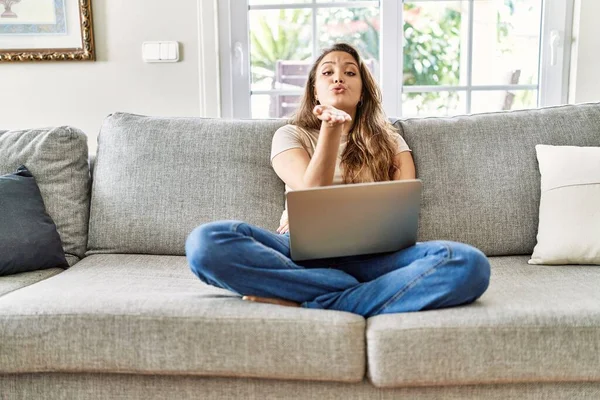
x: 28, y: 237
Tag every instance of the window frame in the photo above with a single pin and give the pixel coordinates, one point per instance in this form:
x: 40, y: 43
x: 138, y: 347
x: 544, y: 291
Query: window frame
x: 234, y: 55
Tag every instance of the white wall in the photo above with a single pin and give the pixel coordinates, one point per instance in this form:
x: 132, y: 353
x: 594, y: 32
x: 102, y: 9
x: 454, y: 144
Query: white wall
x: 82, y: 94
x: 585, y: 68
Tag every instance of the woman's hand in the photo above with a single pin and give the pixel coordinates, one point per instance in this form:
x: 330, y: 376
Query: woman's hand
x: 284, y: 226
x: 331, y: 115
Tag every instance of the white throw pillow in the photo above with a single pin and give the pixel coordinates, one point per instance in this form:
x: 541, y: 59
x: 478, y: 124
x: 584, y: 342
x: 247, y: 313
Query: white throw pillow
x: 569, y: 227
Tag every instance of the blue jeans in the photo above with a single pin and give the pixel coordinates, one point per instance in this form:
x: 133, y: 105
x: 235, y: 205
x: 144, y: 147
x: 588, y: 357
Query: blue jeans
x: 253, y: 261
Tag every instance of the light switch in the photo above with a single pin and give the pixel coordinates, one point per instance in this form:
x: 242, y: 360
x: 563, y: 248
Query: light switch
x: 173, y: 51
x: 151, y: 51
x: 162, y: 51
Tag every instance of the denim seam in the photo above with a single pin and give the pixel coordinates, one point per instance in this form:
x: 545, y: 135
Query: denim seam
x: 414, y: 281
x: 281, y: 257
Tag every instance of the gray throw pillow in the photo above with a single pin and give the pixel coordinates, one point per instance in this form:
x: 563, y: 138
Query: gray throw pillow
x: 28, y: 237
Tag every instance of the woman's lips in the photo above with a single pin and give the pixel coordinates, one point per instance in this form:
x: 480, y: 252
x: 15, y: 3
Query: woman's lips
x: 338, y: 90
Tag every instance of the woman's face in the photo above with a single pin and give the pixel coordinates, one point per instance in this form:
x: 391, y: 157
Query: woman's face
x: 338, y: 82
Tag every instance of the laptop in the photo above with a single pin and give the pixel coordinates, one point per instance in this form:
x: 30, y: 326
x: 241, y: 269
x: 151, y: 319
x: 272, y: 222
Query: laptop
x: 353, y: 219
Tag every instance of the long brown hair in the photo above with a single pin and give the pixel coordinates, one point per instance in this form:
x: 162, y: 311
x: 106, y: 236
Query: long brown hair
x: 370, y: 151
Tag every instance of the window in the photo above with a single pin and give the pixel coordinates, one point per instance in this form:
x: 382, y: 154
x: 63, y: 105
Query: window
x: 445, y: 58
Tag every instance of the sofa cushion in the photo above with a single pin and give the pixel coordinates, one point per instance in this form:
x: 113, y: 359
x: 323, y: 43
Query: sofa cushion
x: 150, y: 315
x: 534, y: 323
x: 481, y: 183
x: 10, y: 283
x: 57, y: 157
x: 156, y: 179
x: 28, y: 237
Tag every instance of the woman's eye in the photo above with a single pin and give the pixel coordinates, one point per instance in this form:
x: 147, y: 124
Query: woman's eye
x: 326, y: 72
x: 351, y: 73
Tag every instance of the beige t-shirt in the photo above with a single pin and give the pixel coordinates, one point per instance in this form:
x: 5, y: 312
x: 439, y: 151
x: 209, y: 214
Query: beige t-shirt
x: 291, y: 136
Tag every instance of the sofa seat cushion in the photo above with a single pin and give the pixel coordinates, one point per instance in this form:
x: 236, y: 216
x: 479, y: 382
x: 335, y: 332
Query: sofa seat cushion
x: 11, y: 283
x: 534, y: 323
x: 150, y: 315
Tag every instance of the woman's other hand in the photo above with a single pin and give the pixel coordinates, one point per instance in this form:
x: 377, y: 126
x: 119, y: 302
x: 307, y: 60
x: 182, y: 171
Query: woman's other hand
x: 331, y: 115
x: 284, y: 226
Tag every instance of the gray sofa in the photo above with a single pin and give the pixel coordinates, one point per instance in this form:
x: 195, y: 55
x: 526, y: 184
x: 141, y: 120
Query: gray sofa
x: 128, y: 319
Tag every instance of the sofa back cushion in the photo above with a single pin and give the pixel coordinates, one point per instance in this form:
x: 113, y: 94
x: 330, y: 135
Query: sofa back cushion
x: 481, y: 182
x: 156, y: 179
x: 58, y: 159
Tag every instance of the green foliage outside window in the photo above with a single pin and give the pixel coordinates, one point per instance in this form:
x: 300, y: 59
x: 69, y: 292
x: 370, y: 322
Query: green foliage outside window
x: 286, y: 40
x: 432, y: 56
x: 432, y: 50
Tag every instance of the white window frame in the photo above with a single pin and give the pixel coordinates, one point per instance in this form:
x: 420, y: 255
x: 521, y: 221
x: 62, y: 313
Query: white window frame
x: 234, y: 45
x: 209, y: 85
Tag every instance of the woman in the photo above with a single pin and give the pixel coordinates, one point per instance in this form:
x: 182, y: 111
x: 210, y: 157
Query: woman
x: 339, y: 135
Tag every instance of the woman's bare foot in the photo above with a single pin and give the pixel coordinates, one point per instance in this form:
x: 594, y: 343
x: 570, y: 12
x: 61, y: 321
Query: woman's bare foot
x: 268, y: 300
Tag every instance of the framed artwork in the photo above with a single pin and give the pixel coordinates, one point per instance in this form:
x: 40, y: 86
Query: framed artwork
x: 46, y: 30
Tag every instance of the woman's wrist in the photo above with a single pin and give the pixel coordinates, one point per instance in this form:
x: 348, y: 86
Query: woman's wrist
x: 331, y: 129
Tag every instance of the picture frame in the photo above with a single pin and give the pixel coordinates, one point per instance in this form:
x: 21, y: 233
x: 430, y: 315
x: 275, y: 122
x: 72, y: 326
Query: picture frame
x: 46, y: 30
